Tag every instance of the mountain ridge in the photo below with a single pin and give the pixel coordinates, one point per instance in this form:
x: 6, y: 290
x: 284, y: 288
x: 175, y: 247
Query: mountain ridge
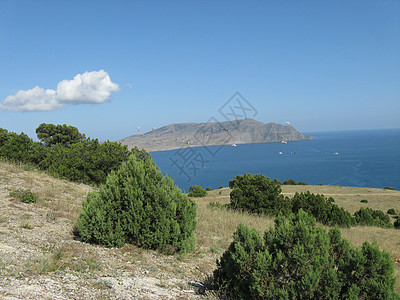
x: 243, y: 131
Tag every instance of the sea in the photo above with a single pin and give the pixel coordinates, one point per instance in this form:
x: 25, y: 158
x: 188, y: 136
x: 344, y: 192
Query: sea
x: 362, y: 158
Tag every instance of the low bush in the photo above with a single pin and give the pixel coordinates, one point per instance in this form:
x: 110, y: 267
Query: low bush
x: 388, y: 188
x: 197, y: 191
x: 25, y: 195
x: 322, y: 209
x: 392, y: 211
x: 257, y: 194
x: 290, y: 182
x: 371, y: 217
x: 397, y: 223
x: 138, y: 205
x: 364, y: 201
x: 299, y: 260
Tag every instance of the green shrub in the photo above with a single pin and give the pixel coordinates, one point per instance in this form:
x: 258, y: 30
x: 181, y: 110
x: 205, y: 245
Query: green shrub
x: 208, y: 189
x: 322, y: 209
x: 371, y: 217
x: 138, y: 205
x: 302, y: 183
x: 299, y: 260
x: 290, y: 182
x: 25, y: 195
x: 197, y: 191
x: 66, y: 153
x: 392, y: 211
x: 388, y: 188
x: 364, y: 201
x: 257, y: 194
x: 397, y: 223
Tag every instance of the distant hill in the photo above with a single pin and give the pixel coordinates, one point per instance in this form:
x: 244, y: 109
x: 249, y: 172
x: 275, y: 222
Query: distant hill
x: 175, y: 136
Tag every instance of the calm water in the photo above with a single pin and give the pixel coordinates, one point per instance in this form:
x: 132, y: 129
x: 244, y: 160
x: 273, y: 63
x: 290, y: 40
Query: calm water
x: 367, y: 158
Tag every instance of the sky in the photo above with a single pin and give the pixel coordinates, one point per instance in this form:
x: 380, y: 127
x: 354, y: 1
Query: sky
x: 107, y: 67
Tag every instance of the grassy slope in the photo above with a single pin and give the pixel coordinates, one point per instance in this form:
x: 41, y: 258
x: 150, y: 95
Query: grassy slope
x: 61, y: 201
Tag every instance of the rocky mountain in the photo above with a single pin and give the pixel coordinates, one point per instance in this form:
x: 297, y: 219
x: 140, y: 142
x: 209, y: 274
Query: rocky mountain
x: 175, y: 136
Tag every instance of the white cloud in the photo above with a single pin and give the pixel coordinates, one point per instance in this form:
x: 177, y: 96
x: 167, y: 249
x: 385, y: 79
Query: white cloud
x: 90, y: 87
x: 36, y: 99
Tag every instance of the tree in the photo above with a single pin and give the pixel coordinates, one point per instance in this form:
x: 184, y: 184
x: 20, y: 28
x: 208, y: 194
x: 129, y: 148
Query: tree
x: 299, y: 260
x: 138, y: 205
x: 197, y: 191
x: 257, y: 194
x: 50, y: 135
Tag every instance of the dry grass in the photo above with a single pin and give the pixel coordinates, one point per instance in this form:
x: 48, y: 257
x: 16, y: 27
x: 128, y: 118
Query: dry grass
x: 63, y: 198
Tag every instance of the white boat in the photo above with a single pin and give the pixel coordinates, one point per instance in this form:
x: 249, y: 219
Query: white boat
x: 284, y: 142
x: 233, y: 145
x: 336, y: 153
x: 280, y: 153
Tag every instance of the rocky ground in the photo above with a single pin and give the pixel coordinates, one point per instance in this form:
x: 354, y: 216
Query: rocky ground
x: 41, y: 259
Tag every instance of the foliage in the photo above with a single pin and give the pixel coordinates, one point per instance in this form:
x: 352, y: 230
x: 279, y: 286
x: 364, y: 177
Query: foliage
x: 298, y: 260
x: 50, y: 135
x: 322, y: 209
x: 257, y: 194
x: 392, y: 211
x: 397, y: 223
x: 138, y: 205
x: 14, y: 147
x: 388, y: 188
x: 369, y: 216
x: 197, y: 191
x: 25, y: 195
x: 66, y: 153
x: 364, y: 201
x: 290, y: 182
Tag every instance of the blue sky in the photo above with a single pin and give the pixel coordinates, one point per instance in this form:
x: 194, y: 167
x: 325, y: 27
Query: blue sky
x: 107, y: 67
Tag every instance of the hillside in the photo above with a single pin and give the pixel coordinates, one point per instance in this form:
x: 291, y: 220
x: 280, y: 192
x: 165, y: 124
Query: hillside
x: 41, y: 259
x: 175, y: 136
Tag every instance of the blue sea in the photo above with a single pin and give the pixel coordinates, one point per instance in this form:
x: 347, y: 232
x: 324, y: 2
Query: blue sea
x: 366, y: 158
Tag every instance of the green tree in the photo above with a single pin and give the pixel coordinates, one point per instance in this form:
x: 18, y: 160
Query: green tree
x: 138, y: 205
x: 50, y: 135
x: 257, y: 194
x: 299, y: 260
x: 290, y: 182
x: 197, y: 191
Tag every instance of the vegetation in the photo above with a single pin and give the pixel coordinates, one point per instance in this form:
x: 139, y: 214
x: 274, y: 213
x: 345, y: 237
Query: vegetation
x: 197, y: 191
x: 64, y: 152
x: 388, y: 188
x: 397, y: 223
x: 298, y: 260
x: 290, y: 182
x: 24, y: 195
x: 62, y: 199
x: 391, y: 211
x: 138, y: 205
x: 371, y: 217
x: 261, y: 195
x: 257, y: 194
x: 364, y: 201
x: 322, y: 209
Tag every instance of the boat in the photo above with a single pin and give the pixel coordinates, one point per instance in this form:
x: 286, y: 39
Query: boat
x: 233, y: 145
x: 280, y: 153
x: 284, y: 142
x: 336, y: 153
